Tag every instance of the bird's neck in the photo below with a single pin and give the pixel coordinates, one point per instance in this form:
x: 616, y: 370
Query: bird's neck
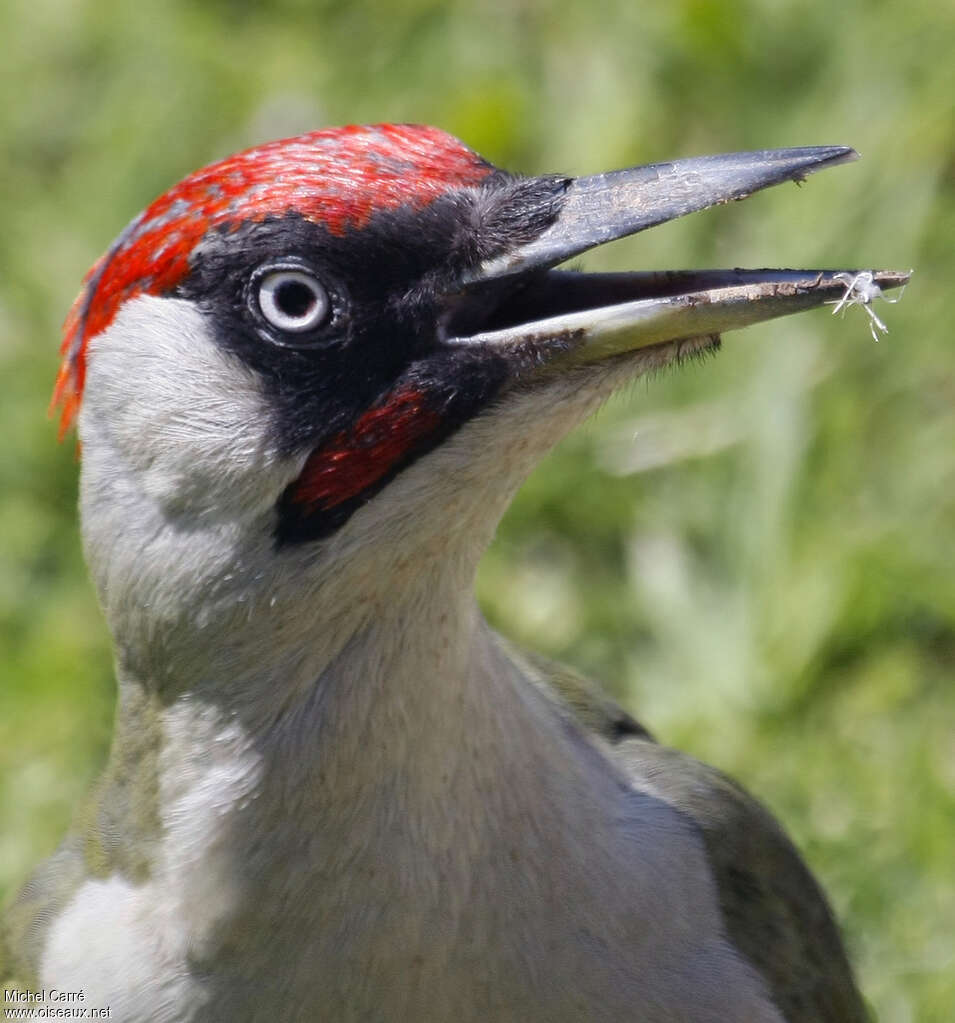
x: 398, y: 734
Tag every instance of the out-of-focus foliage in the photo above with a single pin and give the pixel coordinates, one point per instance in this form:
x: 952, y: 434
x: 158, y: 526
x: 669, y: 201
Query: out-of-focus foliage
x: 756, y: 553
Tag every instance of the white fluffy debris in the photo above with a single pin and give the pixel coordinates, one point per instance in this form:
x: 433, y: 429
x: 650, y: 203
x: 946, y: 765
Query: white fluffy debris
x: 861, y: 289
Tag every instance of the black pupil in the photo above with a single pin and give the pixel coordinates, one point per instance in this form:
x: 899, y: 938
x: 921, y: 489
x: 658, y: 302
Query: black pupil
x: 294, y: 298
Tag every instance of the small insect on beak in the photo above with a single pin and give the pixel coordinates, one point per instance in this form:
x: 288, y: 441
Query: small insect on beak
x: 862, y: 289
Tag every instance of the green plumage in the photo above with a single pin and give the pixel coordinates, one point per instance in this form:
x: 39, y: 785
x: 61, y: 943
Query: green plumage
x: 774, y: 911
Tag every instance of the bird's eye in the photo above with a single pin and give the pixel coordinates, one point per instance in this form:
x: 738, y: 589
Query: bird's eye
x: 293, y: 300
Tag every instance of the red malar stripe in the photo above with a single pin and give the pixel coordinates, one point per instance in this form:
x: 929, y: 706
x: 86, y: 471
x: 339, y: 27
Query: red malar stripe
x: 359, y: 457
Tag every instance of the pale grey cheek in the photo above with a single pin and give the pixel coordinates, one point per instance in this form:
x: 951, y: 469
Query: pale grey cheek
x: 179, y: 479
x: 185, y: 419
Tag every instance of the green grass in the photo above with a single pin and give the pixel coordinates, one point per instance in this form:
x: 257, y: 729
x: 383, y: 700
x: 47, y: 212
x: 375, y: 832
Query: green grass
x: 756, y: 553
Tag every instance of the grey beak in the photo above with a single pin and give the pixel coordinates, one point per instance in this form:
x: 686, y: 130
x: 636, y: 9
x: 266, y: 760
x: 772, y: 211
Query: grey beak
x: 595, y: 316
x: 605, y: 207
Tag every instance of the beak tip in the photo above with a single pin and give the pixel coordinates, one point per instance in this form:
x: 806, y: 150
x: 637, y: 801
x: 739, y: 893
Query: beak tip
x: 810, y: 159
x: 839, y: 154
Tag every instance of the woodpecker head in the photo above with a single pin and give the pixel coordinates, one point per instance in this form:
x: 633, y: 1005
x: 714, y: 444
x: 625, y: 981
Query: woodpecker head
x: 356, y: 340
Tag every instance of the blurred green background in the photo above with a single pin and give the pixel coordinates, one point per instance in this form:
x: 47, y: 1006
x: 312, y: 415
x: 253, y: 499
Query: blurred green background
x: 756, y: 553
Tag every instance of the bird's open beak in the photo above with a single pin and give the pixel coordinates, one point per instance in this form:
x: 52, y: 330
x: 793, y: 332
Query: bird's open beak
x: 593, y: 316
